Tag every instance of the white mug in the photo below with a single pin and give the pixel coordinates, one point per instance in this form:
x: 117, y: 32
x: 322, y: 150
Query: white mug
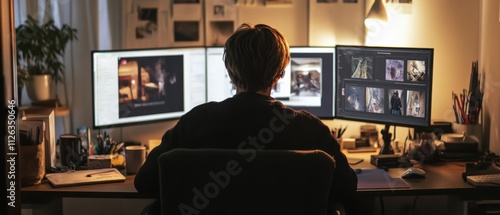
x: 135, y: 156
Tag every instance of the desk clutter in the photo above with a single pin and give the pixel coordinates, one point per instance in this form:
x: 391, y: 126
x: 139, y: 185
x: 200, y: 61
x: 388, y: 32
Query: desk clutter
x: 75, y: 155
x: 482, y: 173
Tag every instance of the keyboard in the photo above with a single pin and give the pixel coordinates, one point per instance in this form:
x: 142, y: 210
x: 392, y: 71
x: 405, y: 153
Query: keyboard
x: 484, y: 180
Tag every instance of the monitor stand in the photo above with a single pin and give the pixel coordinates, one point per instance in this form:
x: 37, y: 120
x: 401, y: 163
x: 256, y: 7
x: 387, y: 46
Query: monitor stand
x: 386, y: 136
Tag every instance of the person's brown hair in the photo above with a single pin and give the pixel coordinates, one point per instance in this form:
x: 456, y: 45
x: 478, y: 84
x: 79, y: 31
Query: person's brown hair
x: 256, y: 56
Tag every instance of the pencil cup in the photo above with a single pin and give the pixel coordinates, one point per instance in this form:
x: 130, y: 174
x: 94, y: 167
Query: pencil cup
x: 135, y: 156
x: 473, y: 132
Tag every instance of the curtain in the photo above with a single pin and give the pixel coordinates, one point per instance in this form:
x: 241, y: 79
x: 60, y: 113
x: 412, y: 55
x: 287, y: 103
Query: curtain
x: 99, y: 27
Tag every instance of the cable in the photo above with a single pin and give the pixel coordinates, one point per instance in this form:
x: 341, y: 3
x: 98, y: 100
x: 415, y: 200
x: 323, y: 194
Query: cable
x: 414, y: 206
x: 382, y: 209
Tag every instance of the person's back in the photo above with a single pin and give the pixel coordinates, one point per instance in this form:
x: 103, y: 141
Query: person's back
x: 255, y: 58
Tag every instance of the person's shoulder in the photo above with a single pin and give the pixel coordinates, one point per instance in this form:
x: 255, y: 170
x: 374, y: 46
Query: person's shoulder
x: 301, y: 116
x: 201, y: 110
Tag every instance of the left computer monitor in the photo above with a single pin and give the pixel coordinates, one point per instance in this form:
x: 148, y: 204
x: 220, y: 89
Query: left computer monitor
x: 306, y: 85
x: 138, y: 86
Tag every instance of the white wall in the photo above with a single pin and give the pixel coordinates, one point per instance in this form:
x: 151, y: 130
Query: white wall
x: 451, y: 27
x: 489, y: 64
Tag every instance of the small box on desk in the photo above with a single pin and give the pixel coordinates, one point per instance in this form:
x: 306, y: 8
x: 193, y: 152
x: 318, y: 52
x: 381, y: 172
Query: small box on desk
x: 459, y: 143
x: 462, y: 146
x: 99, y: 161
x: 390, y: 161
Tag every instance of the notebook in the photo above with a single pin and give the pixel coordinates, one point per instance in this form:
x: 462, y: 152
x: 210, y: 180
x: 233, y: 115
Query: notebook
x: 82, y: 177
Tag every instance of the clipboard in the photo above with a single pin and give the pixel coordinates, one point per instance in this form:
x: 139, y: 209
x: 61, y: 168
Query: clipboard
x: 82, y: 177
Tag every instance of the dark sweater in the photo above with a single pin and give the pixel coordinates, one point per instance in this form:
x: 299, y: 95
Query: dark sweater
x: 250, y: 120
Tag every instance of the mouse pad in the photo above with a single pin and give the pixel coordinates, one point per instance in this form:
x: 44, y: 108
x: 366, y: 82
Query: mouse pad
x: 379, y: 179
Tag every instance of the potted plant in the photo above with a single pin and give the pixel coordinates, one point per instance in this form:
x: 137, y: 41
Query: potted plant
x: 40, y: 48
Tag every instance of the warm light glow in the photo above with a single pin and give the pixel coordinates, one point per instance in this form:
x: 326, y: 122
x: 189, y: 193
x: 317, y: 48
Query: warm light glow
x: 377, y: 16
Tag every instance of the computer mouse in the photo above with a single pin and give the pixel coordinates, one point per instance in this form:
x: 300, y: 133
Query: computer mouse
x: 413, y: 172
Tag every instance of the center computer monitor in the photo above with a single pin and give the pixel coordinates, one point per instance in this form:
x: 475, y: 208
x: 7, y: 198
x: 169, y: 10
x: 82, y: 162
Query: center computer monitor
x: 307, y: 84
x: 137, y: 86
x: 391, y: 86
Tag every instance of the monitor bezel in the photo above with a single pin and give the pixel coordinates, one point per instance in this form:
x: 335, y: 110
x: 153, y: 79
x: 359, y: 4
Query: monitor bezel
x: 331, y: 85
x: 429, y: 75
x: 124, y: 124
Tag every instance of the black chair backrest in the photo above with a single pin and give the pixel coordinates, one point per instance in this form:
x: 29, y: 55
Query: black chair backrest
x: 224, y: 181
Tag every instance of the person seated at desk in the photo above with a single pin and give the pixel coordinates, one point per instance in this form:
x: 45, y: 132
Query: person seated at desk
x: 255, y: 58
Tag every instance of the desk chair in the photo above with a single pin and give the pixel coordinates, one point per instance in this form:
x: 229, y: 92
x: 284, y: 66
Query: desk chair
x: 223, y: 181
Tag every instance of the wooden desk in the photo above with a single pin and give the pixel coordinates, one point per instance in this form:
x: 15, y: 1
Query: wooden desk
x: 43, y: 193
x: 442, y: 178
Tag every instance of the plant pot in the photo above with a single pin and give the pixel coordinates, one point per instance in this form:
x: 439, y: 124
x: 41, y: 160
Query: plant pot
x: 41, y: 88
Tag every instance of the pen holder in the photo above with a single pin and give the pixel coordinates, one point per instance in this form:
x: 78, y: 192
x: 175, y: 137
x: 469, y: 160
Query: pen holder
x: 32, y: 164
x: 472, y: 132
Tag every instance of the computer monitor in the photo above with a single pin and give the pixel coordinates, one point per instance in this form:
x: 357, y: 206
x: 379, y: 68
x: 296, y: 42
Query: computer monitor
x: 137, y: 86
x: 307, y: 84
x: 385, y: 85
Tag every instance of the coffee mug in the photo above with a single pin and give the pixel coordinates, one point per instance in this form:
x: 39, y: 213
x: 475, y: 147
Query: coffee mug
x: 135, y: 156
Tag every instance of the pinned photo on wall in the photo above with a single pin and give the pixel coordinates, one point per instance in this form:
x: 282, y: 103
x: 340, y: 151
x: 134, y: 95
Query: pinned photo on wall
x: 143, y: 25
x: 399, y: 6
x: 277, y: 2
x: 220, y: 21
x: 246, y: 2
x: 186, y: 31
x: 326, y: 1
x: 186, y: 23
x: 186, y: 1
x: 398, y: 1
x: 350, y: 1
x: 148, y: 23
x: 219, y: 32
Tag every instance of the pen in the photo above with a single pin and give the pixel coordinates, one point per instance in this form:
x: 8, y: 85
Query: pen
x: 463, y: 117
x: 97, y: 173
x: 456, y: 114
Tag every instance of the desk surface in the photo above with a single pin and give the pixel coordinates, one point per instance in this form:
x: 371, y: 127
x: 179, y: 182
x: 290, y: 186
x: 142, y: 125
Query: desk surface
x: 44, y: 191
x: 443, y: 178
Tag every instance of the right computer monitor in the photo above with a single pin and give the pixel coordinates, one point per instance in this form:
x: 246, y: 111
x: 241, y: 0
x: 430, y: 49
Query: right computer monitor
x: 386, y: 85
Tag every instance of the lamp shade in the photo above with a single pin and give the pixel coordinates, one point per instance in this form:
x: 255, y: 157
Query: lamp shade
x: 377, y: 13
